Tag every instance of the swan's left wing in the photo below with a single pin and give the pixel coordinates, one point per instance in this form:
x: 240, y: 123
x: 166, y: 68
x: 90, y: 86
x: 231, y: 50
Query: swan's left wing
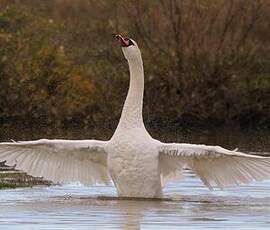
x: 60, y: 161
x: 215, y: 165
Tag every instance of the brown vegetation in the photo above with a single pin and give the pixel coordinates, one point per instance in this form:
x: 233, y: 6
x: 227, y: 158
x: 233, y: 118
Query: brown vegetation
x: 205, y: 61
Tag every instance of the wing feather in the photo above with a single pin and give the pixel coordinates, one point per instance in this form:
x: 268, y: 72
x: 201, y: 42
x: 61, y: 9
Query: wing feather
x: 60, y: 161
x: 215, y: 165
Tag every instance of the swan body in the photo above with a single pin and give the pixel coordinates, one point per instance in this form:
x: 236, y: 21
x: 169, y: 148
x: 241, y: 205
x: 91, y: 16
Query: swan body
x: 133, y: 164
x: 137, y: 164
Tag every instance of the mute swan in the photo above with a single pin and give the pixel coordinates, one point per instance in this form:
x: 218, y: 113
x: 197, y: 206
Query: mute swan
x: 135, y: 162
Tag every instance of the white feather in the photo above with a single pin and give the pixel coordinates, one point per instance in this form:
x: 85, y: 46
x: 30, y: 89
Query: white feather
x: 215, y: 165
x: 59, y: 160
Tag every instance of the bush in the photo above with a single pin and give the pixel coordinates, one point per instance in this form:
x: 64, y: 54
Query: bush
x: 38, y: 80
x: 205, y: 61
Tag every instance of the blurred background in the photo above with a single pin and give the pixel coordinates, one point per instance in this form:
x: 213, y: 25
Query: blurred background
x: 207, y: 63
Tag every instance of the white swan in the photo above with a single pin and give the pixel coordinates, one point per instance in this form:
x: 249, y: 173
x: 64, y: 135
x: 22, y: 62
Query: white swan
x: 136, y: 163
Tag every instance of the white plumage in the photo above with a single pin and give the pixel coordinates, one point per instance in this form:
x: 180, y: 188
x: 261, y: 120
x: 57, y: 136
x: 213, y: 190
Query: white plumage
x: 60, y: 161
x: 136, y: 163
x: 217, y: 166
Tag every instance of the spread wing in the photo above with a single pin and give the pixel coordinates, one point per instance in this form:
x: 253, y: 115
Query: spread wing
x: 215, y: 165
x: 59, y: 161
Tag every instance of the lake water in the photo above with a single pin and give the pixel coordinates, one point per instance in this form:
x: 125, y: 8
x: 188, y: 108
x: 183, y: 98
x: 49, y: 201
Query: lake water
x: 191, y: 205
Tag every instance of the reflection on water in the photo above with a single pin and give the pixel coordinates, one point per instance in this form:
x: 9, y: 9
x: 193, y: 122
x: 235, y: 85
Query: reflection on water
x: 191, y: 205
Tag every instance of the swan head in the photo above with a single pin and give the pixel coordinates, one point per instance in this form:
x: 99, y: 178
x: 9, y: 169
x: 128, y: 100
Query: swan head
x: 130, y: 48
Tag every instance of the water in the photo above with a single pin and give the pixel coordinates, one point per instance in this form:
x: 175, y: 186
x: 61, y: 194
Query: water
x: 191, y: 205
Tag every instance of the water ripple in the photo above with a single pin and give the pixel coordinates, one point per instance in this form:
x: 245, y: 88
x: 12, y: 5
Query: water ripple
x: 188, y: 205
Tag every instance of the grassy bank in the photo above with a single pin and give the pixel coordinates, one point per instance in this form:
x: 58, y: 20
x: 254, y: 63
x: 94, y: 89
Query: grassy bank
x: 19, y: 184
x: 10, y: 178
x: 5, y: 185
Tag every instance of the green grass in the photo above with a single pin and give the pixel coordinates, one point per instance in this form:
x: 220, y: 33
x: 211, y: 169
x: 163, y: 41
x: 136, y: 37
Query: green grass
x: 6, y: 185
x: 21, y: 184
x: 16, y: 179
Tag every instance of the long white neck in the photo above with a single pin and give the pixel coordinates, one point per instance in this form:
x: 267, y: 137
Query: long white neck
x: 132, y: 112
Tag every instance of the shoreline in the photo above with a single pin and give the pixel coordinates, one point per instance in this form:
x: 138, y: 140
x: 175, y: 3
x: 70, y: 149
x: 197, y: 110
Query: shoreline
x: 12, y: 178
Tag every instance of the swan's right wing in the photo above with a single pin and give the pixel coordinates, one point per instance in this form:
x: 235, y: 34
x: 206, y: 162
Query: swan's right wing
x: 215, y: 165
x: 60, y: 161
